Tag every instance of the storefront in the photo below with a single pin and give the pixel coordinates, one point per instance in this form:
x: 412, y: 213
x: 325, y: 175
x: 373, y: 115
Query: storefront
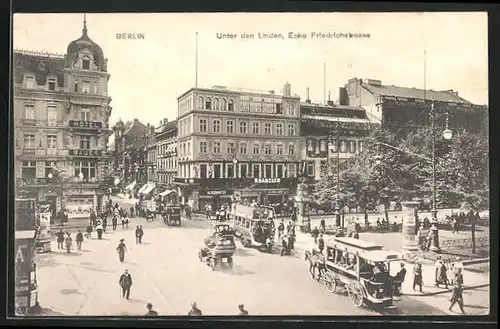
x: 215, y: 198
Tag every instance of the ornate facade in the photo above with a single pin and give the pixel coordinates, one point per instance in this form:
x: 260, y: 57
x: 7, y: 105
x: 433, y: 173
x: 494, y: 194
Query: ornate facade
x: 61, y: 112
x: 229, y: 136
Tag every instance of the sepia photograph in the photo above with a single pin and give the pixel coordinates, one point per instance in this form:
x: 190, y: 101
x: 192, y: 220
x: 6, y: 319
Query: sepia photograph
x: 250, y: 164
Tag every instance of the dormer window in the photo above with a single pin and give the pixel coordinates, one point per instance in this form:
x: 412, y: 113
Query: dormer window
x: 30, y: 83
x: 52, y: 84
x: 86, y: 63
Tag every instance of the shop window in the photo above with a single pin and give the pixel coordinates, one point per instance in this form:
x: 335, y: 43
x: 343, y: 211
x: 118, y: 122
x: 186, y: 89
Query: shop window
x: 28, y: 170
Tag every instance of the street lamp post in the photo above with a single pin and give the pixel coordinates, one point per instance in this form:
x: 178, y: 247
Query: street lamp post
x: 447, y: 134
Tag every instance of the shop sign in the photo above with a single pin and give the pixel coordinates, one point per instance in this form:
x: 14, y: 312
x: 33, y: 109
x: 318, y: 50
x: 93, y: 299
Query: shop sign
x: 85, y: 124
x: 267, y: 180
x: 217, y: 192
x: 85, y: 153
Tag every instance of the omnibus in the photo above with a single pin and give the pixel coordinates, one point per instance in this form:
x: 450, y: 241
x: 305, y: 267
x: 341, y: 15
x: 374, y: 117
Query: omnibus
x: 254, y: 226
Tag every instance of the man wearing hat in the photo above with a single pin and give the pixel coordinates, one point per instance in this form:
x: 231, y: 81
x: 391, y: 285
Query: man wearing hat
x: 151, y: 312
x: 417, y: 276
x: 243, y: 312
x: 121, y: 250
x: 194, y: 311
x: 125, y: 283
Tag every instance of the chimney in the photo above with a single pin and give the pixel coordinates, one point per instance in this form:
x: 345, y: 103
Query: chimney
x: 287, y: 90
x: 308, y: 100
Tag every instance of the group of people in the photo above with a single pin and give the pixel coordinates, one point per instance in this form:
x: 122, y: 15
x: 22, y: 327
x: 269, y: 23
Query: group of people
x: 288, y: 239
x: 65, y: 241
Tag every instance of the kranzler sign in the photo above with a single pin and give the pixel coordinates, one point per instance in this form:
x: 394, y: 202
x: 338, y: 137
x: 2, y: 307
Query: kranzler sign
x: 85, y: 153
x: 267, y: 180
x: 85, y: 124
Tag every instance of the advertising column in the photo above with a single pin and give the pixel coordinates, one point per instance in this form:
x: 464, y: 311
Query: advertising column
x: 410, y: 241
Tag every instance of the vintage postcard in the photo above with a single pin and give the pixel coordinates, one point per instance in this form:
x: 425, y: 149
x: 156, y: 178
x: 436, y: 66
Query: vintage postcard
x: 256, y: 164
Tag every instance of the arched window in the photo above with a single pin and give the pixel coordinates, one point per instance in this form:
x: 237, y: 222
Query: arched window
x: 224, y: 105
x: 231, y: 105
x: 216, y: 104
x: 208, y: 103
x: 86, y: 63
x: 200, y: 103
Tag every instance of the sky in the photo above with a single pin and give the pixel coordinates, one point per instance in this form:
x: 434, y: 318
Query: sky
x: 147, y: 75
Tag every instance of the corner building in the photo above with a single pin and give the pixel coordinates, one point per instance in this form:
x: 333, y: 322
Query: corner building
x: 61, y: 112
x: 237, y: 143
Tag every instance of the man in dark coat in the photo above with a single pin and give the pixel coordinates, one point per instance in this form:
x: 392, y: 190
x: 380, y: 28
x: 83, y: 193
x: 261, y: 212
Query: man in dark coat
x: 417, y: 277
x: 457, y: 297
x: 194, y: 311
x: 125, y: 283
x: 321, y: 243
x: 137, y: 234
x: 151, y: 312
x: 93, y: 218
x: 243, y: 312
x: 132, y: 212
x: 60, y: 239
x: 79, y: 240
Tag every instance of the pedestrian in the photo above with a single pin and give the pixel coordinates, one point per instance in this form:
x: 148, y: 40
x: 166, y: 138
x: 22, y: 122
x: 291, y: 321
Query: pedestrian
x: 132, y: 211
x: 151, y: 312
x: 127, y: 220
x: 322, y: 223
x: 243, y: 312
x: 69, y: 242
x: 104, y: 224
x: 284, y: 245
x: 281, y: 229
x: 99, y: 229
x: 88, y: 230
x: 458, y: 265
x: 93, y: 218
x: 194, y: 311
x: 417, y: 276
x: 60, y: 239
x: 114, y: 222
x: 437, y: 270
x: 457, y: 297
x: 399, y: 278
x: 321, y: 244
x: 121, y: 249
x: 137, y: 234
x: 123, y: 223
x: 141, y: 234
x: 79, y: 240
x: 125, y: 283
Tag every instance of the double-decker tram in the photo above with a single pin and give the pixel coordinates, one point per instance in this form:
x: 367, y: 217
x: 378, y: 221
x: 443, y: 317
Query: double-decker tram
x: 254, y: 225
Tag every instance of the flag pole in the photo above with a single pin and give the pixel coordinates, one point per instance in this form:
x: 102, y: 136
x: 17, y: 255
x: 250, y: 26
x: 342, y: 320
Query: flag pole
x: 425, y: 75
x: 196, y: 64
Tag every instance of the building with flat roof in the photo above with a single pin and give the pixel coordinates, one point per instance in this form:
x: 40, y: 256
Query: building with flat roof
x: 235, y: 142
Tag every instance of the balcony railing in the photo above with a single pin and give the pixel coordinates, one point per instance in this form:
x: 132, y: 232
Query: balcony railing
x: 40, y: 152
x: 46, y: 181
x: 40, y: 123
x: 237, y: 183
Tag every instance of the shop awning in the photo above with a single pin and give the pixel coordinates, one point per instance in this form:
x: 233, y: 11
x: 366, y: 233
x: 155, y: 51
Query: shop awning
x: 167, y: 192
x: 148, y: 189
x: 131, y: 185
x: 143, y: 188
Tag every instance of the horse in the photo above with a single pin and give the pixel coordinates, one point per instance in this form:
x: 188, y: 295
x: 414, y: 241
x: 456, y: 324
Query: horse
x: 316, y: 261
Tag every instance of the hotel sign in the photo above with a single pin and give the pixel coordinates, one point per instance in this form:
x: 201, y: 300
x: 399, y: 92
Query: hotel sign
x: 85, y: 124
x: 267, y: 180
x: 85, y: 153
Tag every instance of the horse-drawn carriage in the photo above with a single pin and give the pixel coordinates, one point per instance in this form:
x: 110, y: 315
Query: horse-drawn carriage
x: 172, y: 215
x: 219, y: 247
x: 357, y: 267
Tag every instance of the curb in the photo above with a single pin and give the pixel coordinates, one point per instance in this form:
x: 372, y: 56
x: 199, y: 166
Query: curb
x: 445, y: 291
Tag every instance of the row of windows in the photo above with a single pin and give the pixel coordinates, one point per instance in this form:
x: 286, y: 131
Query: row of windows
x: 86, y: 87
x: 279, y: 128
x: 217, y: 105
x: 185, y: 149
x: 164, y: 178
x: 185, y: 126
x: 243, y: 170
x: 162, y: 149
x: 170, y: 163
x: 29, y: 113
x: 87, y: 168
x: 257, y: 148
x: 52, y: 141
x: 342, y: 146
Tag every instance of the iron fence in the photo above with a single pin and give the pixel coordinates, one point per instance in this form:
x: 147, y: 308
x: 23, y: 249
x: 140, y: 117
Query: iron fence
x: 446, y: 244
